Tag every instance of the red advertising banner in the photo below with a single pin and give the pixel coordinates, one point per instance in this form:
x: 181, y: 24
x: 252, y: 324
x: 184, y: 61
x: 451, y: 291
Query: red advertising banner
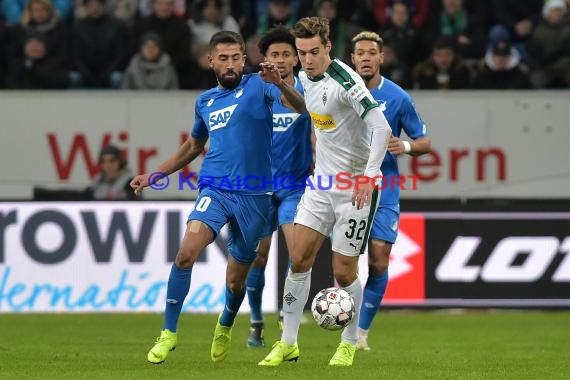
x: 407, y: 262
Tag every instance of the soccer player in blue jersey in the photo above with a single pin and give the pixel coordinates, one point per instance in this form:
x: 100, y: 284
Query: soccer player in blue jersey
x: 236, y: 116
x: 292, y: 159
x: 398, y: 107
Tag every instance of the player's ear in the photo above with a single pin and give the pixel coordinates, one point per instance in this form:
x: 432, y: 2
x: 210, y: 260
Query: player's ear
x: 352, y: 58
x: 381, y: 58
x: 210, y: 61
x: 328, y: 47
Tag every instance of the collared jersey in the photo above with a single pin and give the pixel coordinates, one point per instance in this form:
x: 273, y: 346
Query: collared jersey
x: 338, y: 101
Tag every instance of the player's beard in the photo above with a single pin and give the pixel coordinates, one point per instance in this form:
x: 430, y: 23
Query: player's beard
x: 229, y: 82
x: 367, y: 77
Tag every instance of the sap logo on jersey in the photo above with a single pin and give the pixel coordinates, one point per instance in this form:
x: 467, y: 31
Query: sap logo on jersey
x: 219, y: 119
x: 282, y: 121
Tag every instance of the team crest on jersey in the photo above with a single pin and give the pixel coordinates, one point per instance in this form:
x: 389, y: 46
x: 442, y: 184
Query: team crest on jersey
x: 282, y: 121
x: 219, y: 119
x: 382, y: 105
x: 210, y: 102
x: 239, y: 93
x: 324, y: 98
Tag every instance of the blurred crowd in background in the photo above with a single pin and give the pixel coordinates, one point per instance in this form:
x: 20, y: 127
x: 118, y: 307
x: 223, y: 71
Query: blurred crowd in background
x: 163, y: 44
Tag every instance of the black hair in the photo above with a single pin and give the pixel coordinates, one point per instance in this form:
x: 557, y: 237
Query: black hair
x: 113, y: 151
x: 279, y: 34
x: 445, y: 43
x: 226, y: 37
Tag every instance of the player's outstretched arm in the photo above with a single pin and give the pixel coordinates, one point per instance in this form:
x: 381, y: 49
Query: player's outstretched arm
x: 185, y: 154
x: 290, y: 97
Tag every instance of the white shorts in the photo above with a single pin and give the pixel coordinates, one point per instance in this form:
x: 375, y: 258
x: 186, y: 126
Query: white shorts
x: 327, y: 211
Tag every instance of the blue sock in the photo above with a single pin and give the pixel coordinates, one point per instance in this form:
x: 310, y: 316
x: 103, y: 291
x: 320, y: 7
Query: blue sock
x: 372, y: 298
x: 233, y: 302
x: 178, y: 286
x: 255, y: 283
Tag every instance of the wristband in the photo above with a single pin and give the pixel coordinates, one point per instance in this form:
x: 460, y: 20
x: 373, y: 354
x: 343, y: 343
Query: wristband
x: 407, y: 146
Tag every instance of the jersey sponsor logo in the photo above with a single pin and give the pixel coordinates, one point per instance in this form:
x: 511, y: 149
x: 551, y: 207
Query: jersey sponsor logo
x: 282, y: 121
x: 219, y: 119
x: 503, y: 264
x: 357, y: 92
x: 323, y: 121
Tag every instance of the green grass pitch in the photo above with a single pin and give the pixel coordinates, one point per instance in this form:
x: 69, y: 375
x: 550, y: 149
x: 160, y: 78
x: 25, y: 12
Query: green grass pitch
x: 405, y: 345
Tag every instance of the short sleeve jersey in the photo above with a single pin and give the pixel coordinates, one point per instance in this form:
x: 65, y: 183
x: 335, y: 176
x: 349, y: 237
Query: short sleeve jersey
x: 239, y: 123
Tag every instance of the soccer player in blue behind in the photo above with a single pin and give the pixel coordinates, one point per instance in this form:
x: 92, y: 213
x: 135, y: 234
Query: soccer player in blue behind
x: 237, y: 118
x: 398, y: 107
x: 292, y: 159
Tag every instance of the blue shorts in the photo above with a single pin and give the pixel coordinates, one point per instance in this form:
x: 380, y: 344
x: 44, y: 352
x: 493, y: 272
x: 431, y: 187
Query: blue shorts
x: 283, y: 209
x: 246, y: 216
x: 385, y: 225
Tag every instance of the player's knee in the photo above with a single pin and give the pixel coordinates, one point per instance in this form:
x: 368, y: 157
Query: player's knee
x: 344, y: 278
x: 185, y: 258
x: 261, y: 259
x: 300, y: 264
x: 235, y: 286
x: 378, y: 256
x: 262, y: 253
x: 259, y: 262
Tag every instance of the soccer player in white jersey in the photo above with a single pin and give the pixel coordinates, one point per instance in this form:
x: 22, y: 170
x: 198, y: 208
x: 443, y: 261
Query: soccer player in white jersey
x: 352, y: 137
x: 399, y: 109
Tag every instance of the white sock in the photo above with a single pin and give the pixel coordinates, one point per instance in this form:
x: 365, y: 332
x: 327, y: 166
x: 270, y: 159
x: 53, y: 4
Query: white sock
x: 350, y: 332
x: 296, y: 293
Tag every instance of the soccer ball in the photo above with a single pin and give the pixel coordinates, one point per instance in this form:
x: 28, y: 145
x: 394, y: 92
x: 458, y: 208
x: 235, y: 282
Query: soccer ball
x: 333, y: 308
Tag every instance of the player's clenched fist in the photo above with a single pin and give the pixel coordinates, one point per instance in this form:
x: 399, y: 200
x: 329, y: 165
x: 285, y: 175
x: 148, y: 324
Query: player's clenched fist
x: 139, y: 183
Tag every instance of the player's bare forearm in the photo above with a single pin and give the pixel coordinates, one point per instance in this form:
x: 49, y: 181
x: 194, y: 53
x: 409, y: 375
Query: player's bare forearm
x: 417, y: 147
x: 291, y: 98
x: 185, y: 154
x: 420, y: 146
